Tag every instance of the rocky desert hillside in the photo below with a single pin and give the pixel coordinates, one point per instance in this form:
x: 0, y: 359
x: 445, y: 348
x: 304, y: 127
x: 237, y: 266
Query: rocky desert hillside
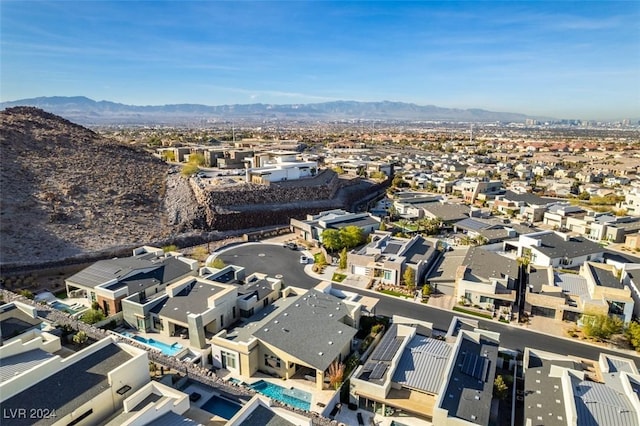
x: 65, y: 190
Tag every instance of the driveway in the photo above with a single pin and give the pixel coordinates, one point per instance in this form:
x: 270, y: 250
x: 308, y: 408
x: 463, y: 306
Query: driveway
x: 271, y: 259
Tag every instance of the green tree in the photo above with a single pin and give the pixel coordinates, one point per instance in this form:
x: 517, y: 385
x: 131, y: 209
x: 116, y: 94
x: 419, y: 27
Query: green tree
x: 633, y: 334
x: 339, y: 170
x: 409, y: 277
x: 189, y: 169
x: 26, y: 293
x: 601, y: 326
x: 500, y: 388
x: 80, y: 338
x: 426, y: 290
x: 169, y: 248
x: 331, y: 239
x: 92, y: 316
x: 351, y: 236
x: 383, y: 226
x: 169, y: 155
x: 343, y: 259
x: 196, y: 159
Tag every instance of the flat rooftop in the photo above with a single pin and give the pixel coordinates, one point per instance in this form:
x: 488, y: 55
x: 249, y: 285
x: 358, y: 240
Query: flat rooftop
x: 69, y: 388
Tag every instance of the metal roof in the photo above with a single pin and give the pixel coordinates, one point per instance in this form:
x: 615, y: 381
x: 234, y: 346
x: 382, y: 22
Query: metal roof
x: 422, y: 364
x: 600, y: 405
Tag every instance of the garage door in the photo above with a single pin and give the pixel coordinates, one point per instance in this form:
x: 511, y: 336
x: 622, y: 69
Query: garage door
x: 543, y: 312
x: 360, y: 270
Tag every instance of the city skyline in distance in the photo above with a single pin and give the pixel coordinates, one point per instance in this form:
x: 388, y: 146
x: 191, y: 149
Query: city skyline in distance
x: 533, y: 58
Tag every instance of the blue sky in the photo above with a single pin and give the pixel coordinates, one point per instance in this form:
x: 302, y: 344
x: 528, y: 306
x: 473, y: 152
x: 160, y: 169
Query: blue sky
x: 559, y: 59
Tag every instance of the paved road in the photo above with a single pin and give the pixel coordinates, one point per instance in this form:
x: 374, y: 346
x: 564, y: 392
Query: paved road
x: 274, y: 259
x: 270, y: 259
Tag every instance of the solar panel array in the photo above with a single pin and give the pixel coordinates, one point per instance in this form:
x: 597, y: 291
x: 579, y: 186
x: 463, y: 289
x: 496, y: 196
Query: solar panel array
x: 475, y: 366
x: 378, y: 371
x: 387, y: 349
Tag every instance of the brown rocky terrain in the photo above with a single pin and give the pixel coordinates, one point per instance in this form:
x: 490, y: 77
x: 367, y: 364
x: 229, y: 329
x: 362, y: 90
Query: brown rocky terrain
x: 65, y: 190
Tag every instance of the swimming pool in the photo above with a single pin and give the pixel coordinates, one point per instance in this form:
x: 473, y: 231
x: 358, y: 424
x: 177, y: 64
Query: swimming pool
x: 221, y: 407
x: 66, y: 308
x: 294, y: 397
x: 169, y: 350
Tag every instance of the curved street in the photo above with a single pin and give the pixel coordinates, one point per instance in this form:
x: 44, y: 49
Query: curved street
x: 274, y: 259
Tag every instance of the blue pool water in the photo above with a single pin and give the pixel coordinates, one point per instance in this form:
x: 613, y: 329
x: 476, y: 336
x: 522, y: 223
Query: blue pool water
x: 294, y: 397
x: 221, y: 407
x: 63, y: 307
x: 169, y: 350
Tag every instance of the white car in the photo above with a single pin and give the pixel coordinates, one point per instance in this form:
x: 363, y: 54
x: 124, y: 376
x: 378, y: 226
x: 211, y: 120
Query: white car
x: 304, y: 259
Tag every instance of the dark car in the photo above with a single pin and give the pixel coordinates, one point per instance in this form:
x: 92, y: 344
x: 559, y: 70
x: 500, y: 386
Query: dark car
x: 194, y: 396
x: 292, y: 246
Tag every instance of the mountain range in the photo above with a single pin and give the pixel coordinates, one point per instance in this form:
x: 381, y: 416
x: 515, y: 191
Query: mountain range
x: 87, y: 111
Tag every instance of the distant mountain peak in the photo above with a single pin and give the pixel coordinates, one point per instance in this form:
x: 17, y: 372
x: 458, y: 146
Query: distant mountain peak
x: 84, y: 110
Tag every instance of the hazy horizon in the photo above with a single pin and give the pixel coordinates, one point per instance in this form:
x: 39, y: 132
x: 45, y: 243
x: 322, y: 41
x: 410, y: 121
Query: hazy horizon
x: 562, y: 59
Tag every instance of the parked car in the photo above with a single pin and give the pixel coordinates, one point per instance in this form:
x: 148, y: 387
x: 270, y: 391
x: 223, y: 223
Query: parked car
x: 304, y: 259
x: 292, y: 246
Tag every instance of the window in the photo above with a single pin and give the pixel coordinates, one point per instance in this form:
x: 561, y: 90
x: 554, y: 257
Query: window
x: 221, y: 321
x: 233, y: 311
x: 271, y: 361
x: 228, y: 360
x: 387, y: 275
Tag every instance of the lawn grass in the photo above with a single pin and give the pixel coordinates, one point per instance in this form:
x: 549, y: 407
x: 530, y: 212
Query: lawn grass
x: 61, y: 294
x: 467, y: 311
x: 394, y: 293
x: 337, y: 277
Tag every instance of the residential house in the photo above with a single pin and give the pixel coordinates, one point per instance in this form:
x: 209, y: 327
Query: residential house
x: 148, y: 272
x: 562, y: 390
x: 527, y: 206
x: 631, y: 202
x: 312, y: 228
x: 466, y: 394
x: 87, y: 387
x: 301, y: 333
x: 550, y: 248
x: 490, y: 230
x: 448, y: 213
x: 598, y: 288
x: 603, y: 226
x: 411, y: 372
x: 192, y: 307
x: 386, y: 258
x: 260, y: 411
x: 487, y: 279
x: 557, y: 215
x: 155, y: 403
x: 473, y: 190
